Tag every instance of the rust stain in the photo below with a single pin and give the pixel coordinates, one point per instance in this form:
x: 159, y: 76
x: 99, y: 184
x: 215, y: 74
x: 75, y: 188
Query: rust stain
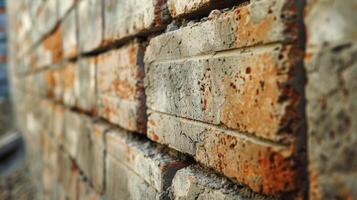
x: 50, y: 83
x: 154, y: 137
x: 265, y: 104
x: 132, y: 54
x: 68, y: 77
x: 53, y: 43
x: 122, y: 88
x: 263, y: 169
x: 158, y: 12
x: 249, y: 32
x: 248, y: 111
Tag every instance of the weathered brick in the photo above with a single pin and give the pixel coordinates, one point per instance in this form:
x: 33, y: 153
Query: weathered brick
x: 68, y: 75
x: 260, y: 22
x: 331, y: 67
x: 255, y: 91
x: 69, y: 34
x: 56, y: 77
x: 85, y: 84
x: 58, y: 124
x: 68, y: 175
x: 84, y: 141
x: 128, y: 18
x: 332, y: 119
x: 90, y: 26
x: 155, y: 164
x: 263, y: 166
x: 194, y: 182
x: 122, y: 183
x: 91, y: 150
x: 120, y: 87
x: 73, y: 127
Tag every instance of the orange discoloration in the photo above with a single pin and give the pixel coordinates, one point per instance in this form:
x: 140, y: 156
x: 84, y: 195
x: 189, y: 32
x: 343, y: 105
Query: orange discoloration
x: 50, y: 83
x: 53, y: 43
x: 251, y: 32
x: 264, y: 102
x: 268, y: 170
x: 122, y: 88
x: 69, y: 77
x: 154, y: 137
x: 158, y: 12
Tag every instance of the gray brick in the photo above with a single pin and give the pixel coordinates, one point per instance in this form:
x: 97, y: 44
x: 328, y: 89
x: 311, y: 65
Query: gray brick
x: 153, y: 163
x: 128, y: 18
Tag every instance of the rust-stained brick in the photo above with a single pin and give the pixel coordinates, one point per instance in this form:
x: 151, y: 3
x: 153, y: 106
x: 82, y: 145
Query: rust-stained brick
x: 68, y: 83
x: 253, y: 91
x: 265, y: 167
x: 260, y: 22
x: 50, y: 50
x: 120, y: 87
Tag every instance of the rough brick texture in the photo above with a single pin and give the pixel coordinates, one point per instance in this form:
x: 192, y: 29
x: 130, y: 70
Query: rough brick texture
x: 186, y: 99
x: 257, y: 91
x: 331, y: 92
x: 120, y: 92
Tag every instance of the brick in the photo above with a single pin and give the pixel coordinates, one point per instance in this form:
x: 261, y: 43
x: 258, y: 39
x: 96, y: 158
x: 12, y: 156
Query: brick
x: 124, y: 19
x: 91, y: 150
x: 260, y: 22
x: 90, y: 24
x: 69, y: 34
x: 58, y: 124
x: 194, y: 182
x: 73, y: 127
x: 331, y: 111
x: 265, y: 167
x: 183, y: 8
x: 120, y: 87
x: 255, y: 91
x: 56, y: 77
x: 84, y: 141
x: 68, y: 75
x: 332, y: 120
x: 122, y: 183
x: 68, y: 175
x: 85, y: 84
x: 153, y: 163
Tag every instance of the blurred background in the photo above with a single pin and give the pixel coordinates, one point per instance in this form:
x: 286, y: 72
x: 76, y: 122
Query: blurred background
x: 15, y: 182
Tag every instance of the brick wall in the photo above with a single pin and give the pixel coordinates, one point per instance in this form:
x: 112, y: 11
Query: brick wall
x: 186, y: 99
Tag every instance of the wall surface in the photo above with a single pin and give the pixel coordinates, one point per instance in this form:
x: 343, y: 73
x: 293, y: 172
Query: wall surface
x: 187, y: 99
